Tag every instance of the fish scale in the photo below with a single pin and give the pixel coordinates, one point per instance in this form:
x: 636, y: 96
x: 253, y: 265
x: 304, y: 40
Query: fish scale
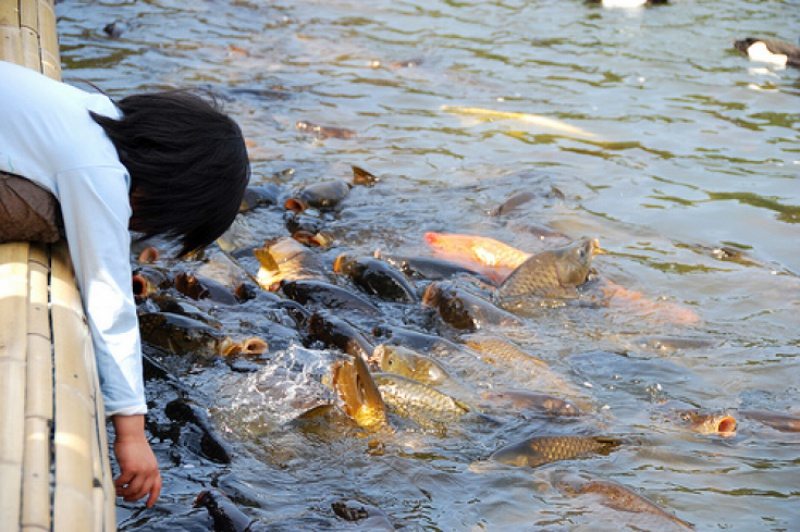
x: 417, y: 401
x: 540, y: 450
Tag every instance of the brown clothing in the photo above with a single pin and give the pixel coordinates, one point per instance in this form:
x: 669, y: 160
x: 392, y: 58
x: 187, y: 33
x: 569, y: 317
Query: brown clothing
x: 28, y: 212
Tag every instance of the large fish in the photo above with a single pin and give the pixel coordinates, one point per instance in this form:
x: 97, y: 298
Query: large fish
x: 361, y: 397
x: 376, y: 277
x: 719, y: 423
x: 463, y: 309
x: 540, y: 450
x: 336, y: 332
x: 618, y: 497
x: 539, y: 402
x: 286, y: 259
x: 408, y: 363
x: 488, y: 256
x: 553, y: 273
x: 419, y: 402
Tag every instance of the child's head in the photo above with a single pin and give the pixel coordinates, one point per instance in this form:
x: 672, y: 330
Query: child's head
x: 188, y: 165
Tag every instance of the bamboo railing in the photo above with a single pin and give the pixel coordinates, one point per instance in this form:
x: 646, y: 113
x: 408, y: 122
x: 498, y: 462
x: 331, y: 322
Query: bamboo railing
x: 54, y: 464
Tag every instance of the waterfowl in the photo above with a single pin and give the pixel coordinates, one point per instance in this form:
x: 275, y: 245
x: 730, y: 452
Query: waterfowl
x: 769, y: 51
x: 627, y: 3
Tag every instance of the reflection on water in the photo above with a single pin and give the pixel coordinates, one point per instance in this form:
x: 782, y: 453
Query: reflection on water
x: 663, y: 142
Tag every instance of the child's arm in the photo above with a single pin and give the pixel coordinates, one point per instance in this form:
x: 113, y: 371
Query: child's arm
x: 139, y: 474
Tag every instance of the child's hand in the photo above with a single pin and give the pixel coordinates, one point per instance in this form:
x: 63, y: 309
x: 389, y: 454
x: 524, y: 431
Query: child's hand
x: 138, y: 466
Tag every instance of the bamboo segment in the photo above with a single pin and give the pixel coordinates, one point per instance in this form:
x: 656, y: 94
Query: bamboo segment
x: 10, y: 44
x: 9, y: 13
x: 74, y: 402
x: 48, y: 39
x: 36, y: 475
x: 31, y: 55
x: 28, y: 14
x: 13, y: 309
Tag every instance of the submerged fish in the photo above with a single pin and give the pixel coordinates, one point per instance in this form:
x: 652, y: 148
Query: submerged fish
x: 619, y: 497
x: 227, y: 517
x: 361, y: 397
x: 540, y: 450
x: 408, y: 363
x: 324, y: 132
x: 419, y: 402
x: 776, y: 420
x: 431, y: 268
x: 376, y: 277
x: 551, y: 124
x: 336, y: 332
x: 525, y: 400
x: 553, y: 273
x: 326, y: 295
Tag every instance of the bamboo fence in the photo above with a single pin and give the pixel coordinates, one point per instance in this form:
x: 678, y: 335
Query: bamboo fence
x: 54, y: 464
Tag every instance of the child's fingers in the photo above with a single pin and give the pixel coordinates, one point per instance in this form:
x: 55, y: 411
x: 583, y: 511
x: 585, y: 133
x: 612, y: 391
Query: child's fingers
x: 155, y: 492
x: 134, y: 489
x: 124, y: 478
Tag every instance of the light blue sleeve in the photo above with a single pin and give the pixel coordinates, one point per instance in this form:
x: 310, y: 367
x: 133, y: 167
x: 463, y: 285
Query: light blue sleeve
x: 96, y: 210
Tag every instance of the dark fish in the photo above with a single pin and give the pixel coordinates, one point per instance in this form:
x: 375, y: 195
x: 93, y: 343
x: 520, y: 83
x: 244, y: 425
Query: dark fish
x: 199, y: 287
x: 464, y: 310
x: 148, y: 280
x: 259, y: 195
x: 776, y: 420
x: 419, y: 341
x: 227, y: 517
x: 336, y: 332
x: 553, y: 273
x: 369, y: 517
x: 298, y: 221
x: 431, y: 268
x: 115, y: 29
x: 540, y: 450
x: 326, y: 295
x: 209, y: 443
x: 180, y: 335
x: 619, y: 497
x: 325, y: 195
x: 324, y: 132
x: 512, y: 202
x: 376, y: 277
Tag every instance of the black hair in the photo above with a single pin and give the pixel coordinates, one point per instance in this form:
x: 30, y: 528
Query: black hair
x: 187, y: 162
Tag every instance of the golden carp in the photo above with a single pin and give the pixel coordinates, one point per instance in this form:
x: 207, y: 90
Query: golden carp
x: 408, y: 363
x: 553, y: 273
x: 419, y: 402
x: 776, y: 420
x: 619, y: 497
x: 543, y: 122
x: 376, y: 277
x: 488, y: 256
x: 540, y: 450
x: 286, y: 259
x: 465, y: 310
x: 721, y: 424
x: 361, y: 397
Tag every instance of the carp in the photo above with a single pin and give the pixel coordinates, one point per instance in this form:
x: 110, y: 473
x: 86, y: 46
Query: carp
x: 324, y: 132
x: 430, y: 268
x: 325, y: 195
x: 259, y: 195
x: 199, y: 287
x: 492, y: 258
x: 619, y: 497
x: 286, y: 259
x: 776, y: 420
x: 419, y: 402
x: 553, y: 273
x: 338, y: 333
x: 326, y: 295
x: 721, y: 424
x: 525, y: 400
x: 464, y: 310
x: 362, y: 399
x: 539, y: 450
x: 408, y: 363
x: 376, y: 277
x: 227, y: 517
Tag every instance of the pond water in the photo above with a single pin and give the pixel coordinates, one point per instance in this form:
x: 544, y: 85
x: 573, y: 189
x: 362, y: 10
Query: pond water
x: 663, y: 142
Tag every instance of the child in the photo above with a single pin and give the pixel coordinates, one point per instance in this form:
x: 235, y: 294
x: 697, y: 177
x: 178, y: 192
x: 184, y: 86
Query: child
x: 160, y: 164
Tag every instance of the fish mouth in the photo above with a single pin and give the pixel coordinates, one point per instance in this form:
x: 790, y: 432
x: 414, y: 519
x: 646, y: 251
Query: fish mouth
x: 296, y: 205
x: 430, y: 297
x: 338, y: 263
x: 725, y: 425
x: 362, y: 399
x: 596, y: 249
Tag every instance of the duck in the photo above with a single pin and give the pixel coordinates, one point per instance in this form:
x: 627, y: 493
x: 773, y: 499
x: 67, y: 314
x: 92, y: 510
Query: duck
x: 772, y: 51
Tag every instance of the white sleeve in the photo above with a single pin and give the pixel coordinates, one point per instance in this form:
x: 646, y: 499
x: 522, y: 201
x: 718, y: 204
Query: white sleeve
x: 96, y: 210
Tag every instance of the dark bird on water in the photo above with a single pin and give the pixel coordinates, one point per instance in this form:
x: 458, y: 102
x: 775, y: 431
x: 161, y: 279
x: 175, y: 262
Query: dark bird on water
x: 769, y: 51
